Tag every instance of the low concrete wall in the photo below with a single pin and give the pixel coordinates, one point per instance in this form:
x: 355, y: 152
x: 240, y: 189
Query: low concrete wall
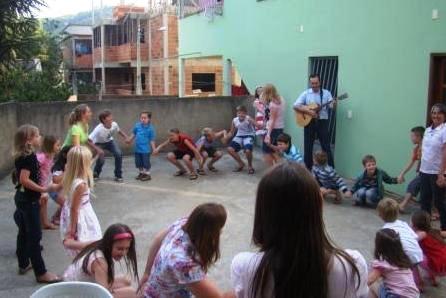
x: 8, y: 117
x: 188, y: 114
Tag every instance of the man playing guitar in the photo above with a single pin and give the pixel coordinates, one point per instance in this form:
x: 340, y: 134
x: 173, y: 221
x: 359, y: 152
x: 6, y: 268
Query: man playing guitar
x: 319, y: 124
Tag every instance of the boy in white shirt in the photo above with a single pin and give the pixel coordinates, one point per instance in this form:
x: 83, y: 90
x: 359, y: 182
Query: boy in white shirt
x: 388, y: 210
x: 102, y: 136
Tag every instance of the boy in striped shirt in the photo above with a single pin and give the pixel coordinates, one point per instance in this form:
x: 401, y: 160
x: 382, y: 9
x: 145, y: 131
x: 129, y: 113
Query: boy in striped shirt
x: 331, y: 183
x: 288, y: 151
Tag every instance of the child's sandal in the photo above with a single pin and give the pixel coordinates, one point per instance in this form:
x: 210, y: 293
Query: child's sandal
x: 193, y: 176
x: 179, y: 173
x: 201, y: 172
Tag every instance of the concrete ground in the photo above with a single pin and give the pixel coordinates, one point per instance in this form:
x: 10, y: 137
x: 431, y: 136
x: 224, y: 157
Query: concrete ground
x: 150, y: 206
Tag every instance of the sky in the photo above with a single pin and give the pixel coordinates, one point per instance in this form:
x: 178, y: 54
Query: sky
x: 57, y: 8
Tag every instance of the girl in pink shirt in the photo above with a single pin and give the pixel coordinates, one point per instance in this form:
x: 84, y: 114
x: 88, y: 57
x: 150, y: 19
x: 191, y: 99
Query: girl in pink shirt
x: 50, y: 147
x: 393, y: 266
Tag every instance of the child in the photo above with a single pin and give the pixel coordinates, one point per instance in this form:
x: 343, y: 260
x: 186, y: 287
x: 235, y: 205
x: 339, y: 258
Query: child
x: 102, y: 136
x: 368, y: 188
x: 95, y: 263
x: 57, y: 171
x: 393, y: 266
x: 261, y: 117
x: 416, y: 136
x: 50, y: 147
x: 79, y: 225
x: 432, y: 245
x: 185, y: 150
x: 388, y: 211
x: 331, y: 183
x: 27, y: 196
x: 206, y: 145
x: 243, y: 139
x: 144, y: 136
x: 288, y: 151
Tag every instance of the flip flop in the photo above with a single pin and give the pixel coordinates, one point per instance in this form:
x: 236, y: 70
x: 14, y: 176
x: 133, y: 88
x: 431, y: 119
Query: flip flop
x: 51, y: 281
x: 179, y: 173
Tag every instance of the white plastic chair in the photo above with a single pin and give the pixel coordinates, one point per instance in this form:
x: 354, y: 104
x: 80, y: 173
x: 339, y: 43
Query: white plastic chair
x: 72, y: 289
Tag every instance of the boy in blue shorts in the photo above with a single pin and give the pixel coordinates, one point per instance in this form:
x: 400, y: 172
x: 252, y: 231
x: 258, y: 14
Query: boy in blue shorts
x: 244, y: 128
x: 144, y: 136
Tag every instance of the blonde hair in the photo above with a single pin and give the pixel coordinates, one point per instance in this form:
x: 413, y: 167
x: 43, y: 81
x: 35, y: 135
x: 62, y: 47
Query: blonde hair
x: 206, y: 131
x: 388, y: 210
x: 21, y: 145
x: 76, y: 114
x: 269, y: 93
x: 78, y: 166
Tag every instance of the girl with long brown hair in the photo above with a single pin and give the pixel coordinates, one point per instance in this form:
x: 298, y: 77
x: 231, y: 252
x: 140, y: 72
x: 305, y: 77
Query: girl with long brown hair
x: 296, y: 257
x: 181, y: 256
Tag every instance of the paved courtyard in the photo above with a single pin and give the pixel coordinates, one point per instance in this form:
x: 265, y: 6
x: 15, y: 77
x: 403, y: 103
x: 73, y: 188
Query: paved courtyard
x: 150, y: 206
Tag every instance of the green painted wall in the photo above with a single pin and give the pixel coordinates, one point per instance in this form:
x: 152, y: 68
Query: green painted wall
x: 383, y: 46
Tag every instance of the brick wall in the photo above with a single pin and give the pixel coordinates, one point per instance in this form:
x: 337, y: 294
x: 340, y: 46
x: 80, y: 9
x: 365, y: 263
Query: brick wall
x: 156, y: 37
x: 203, y: 65
x: 83, y: 61
x: 173, y: 35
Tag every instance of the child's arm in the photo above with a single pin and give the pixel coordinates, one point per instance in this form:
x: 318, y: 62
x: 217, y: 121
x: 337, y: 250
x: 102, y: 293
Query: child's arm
x: 153, y: 146
x: 98, y: 150
x: 99, y: 270
x: 160, y: 146
x: 374, y: 275
x: 221, y: 134
x: 389, y: 180
x: 31, y: 185
x: 409, y: 166
x: 232, y: 130
x: 74, y: 210
x: 194, y: 150
x: 123, y: 135
x: 421, y: 235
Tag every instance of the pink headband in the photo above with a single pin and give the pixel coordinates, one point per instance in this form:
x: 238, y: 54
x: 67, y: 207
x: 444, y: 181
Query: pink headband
x: 121, y: 236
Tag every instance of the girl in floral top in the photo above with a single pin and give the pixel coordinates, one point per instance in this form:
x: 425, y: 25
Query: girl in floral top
x: 180, y: 256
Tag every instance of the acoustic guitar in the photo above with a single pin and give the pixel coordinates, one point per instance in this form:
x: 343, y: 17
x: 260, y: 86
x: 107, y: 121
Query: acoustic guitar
x: 303, y: 119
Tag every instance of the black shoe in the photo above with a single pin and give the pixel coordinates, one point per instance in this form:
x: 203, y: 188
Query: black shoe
x: 139, y: 176
x: 95, y: 176
x: 119, y: 179
x: 145, y: 177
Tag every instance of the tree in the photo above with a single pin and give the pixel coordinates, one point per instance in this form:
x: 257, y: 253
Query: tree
x: 17, y: 27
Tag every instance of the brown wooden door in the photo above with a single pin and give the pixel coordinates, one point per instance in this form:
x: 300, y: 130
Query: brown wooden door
x: 437, y: 84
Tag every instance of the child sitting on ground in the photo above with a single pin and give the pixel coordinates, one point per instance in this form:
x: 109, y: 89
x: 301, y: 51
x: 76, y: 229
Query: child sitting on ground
x: 432, y: 244
x: 388, y: 211
x: 50, y: 147
x: 79, y: 225
x: 287, y: 150
x: 243, y: 127
x: 144, y: 136
x: 368, y: 188
x: 185, y: 150
x: 102, y: 136
x: 331, y: 183
x: 416, y: 136
x: 206, y: 145
x: 393, y: 266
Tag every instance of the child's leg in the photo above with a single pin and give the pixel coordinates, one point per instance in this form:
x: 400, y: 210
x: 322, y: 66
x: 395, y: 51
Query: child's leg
x: 145, y: 176
x: 44, y: 213
x: 205, y: 156
x: 359, y: 196
x: 371, y: 196
x: 21, y: 251
x: 172, y: 158
x: 116, y: 151
x: 417, y: 277
x: 233, y: 151
x: 405, y: 201
x: 187, y: 159
x: 99, y: 162
x: 33, y: 230
x: 217, y: 155
x: 248, y: 154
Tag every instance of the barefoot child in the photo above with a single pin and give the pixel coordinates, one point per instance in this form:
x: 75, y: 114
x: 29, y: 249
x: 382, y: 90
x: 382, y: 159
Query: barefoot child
x: 243, y: 139
x: 79, y: 225
x: 102, y: 136
x: 432, y: 244
x: 144, y: 136
x: 369, y: 188
x: 50, y: 147
x: 287, y: 150
x: 388, y: 211
x: 95, y: 263
x: 185, y: 150
x: 207, y: 146
x: 27, y: 196
x: 393, y: 266
x: 331, y: 183
x: 416, y: 136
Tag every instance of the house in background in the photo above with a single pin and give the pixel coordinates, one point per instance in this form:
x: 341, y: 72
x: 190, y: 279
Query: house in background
x: 77, y: 55
x: 388, y: 55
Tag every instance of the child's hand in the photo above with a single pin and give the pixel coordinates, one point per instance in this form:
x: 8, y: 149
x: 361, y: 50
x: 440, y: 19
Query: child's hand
x: 400, y: 179
x: 348, y: 194
x: 155, y: 152
x: 441, y: 181
x: 53, y: 187
x: 267, y: 139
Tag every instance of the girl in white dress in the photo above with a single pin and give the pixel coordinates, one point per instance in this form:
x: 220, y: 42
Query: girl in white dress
x: 79, y: 225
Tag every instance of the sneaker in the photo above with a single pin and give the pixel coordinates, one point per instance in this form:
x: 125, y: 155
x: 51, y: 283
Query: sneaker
x: 119, y: 179
x: 139, y: 176
x: 145, y: 177
x: 95, y: 176
x: 23, y: 271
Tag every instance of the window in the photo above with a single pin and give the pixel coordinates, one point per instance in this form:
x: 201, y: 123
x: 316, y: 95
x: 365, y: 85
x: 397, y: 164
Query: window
x: 143, y: 81
x: 203, y: 81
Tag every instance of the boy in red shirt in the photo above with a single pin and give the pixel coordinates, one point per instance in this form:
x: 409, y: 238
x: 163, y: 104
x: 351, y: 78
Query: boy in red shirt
x: 185, y: 150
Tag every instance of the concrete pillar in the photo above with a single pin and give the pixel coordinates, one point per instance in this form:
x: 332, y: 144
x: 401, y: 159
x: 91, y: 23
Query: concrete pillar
x: 138, y: 57
x: 149, y: 42
x: 227, y: 77
x: 166, y: 53
x: 103, y: 91
x: 181, y: 80
x: 74, y: 82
